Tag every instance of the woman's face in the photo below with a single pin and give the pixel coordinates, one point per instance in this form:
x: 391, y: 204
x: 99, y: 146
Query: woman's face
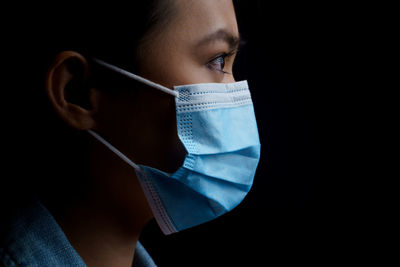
x: 197, y: 45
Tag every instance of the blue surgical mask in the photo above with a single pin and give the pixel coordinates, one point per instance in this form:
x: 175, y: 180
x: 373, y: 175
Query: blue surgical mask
x: 217, y: 126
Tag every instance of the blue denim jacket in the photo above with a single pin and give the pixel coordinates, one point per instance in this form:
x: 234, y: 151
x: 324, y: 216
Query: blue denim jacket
x: 33, y: 238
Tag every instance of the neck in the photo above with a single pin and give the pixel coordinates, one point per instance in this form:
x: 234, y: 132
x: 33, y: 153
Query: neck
x: 105, y: 226
x: 99, y: 237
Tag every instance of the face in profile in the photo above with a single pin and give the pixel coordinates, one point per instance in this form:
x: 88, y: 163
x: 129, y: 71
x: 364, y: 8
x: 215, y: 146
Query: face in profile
x: 197, y: 45
x: 106, y: 203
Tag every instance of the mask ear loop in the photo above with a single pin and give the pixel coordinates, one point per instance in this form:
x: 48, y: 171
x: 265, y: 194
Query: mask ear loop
x: 136, y: 77
x: 115, y: 150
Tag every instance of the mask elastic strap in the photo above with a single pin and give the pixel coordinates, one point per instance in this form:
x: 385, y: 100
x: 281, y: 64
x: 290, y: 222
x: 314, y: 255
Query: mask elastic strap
x: 115, y: 150
x: 136, y: 77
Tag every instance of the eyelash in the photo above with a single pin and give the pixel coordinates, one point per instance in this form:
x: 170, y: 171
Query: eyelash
x: 223, y: 56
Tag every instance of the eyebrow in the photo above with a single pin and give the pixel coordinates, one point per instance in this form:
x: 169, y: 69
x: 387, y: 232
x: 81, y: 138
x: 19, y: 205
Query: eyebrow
x: 221, y: 35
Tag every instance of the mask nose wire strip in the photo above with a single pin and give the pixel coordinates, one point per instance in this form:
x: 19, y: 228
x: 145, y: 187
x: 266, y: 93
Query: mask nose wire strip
x: 115, y: 150
x: 136, y: 77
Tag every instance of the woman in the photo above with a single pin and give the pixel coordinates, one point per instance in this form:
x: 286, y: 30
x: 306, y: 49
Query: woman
x: 132, y: 144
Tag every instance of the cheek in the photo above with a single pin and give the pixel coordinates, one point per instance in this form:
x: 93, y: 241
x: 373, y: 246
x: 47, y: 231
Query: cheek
x: 228, y: 78
x: 143, y: 127
x: 157, y: 142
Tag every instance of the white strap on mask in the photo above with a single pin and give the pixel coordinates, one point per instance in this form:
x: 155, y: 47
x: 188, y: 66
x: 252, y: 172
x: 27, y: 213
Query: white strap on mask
x: 115, y: 150
x: 136, y: 77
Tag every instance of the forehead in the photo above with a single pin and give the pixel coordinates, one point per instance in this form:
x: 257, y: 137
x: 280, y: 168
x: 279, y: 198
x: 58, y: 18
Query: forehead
x: 196, y: 18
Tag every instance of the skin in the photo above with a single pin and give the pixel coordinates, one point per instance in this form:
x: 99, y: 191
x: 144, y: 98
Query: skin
x: 104, y: 227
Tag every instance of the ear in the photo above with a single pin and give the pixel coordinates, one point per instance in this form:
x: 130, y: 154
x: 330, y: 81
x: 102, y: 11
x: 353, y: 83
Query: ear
x: 68, y: 89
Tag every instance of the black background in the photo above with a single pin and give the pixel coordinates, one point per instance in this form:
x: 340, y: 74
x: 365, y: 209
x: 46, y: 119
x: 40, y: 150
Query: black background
x: 302, y: 64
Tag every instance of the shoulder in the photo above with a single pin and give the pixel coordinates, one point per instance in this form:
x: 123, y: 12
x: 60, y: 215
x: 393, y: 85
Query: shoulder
x: 33, y: 238
x: 142, y: 257
x: 6, y: 260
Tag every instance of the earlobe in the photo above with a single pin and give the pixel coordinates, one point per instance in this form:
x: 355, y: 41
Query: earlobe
x: 68, y: 76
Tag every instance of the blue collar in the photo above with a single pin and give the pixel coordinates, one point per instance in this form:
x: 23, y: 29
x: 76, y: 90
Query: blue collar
x: 33, y: 238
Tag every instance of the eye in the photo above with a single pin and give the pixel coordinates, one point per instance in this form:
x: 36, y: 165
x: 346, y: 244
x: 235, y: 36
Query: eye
x: 218, y: 63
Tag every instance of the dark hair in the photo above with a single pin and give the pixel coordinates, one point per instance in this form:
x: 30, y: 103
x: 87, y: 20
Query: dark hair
x: 38, y: 142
